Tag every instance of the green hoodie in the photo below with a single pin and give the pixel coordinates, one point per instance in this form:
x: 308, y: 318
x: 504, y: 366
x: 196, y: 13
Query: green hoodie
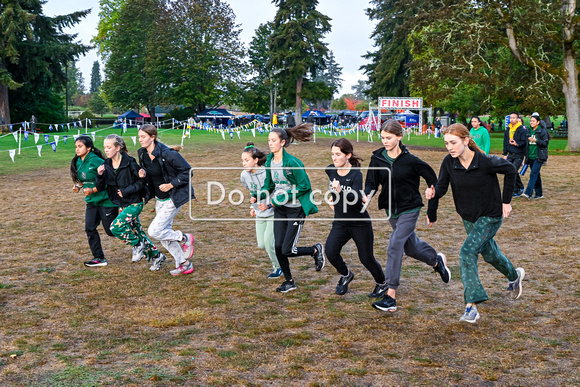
x: 87, y: 174
x: 296, y: 176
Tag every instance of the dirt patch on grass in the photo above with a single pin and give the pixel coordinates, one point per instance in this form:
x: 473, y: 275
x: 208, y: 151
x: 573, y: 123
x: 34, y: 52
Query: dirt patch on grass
x: 226, y: 325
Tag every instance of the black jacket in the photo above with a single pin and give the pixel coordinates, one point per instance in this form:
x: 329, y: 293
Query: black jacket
x: 542, y: 140
x: 476, y: 189
x: 520, y: 136
x: 404, y: 174
x: 126, y: 178
x: 175, y: 171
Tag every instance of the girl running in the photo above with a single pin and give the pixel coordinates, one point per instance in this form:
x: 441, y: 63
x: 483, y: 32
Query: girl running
x: 167, y: 175
x: 120, y: 174
x: 352, y: 221
x: 481, y: 204
x: 83, y: 170
x: 290, y: 196
x: 399, y: 173
x: 253, y: 178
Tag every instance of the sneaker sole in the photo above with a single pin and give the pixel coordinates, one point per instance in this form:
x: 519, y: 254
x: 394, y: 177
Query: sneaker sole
x: 321, y: 246
x: 446, y: 267
x: 285, y: 291
x: 190, y: 254
x: 274, y: 277
x: 388, y: 309
x: 470, y: 321
x: 520, y: 285
x: 97, y: 264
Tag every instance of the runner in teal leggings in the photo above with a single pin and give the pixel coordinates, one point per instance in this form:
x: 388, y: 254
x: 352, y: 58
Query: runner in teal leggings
x: 482, y: 207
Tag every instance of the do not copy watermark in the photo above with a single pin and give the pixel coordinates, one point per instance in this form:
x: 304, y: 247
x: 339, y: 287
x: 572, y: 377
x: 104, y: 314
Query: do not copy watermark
x: 220, y: 195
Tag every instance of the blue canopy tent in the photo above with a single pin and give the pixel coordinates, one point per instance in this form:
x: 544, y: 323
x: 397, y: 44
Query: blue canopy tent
x: 316, y: 116
x: 130, y: 117
x: 221, y: 116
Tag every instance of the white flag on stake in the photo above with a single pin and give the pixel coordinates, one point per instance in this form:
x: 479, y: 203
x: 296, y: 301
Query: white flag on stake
x: 15, y: 134
x: 223, y: 134
x: 93, y: 135
x: 12, y: 153
x: 39, y: 147
x: 134, y: 140
x: 56, y: 139
x: 254, y: 132
x: 75, y: 136
x: 36, y: 137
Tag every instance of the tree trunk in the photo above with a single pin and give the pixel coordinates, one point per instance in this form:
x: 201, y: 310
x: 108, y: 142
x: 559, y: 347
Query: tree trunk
x: 299, y: 100
x: 570, y: 89
x: 4, y: 106
x: 570, y: 78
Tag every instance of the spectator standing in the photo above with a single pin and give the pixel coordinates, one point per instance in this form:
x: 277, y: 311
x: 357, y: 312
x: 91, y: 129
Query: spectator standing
x: 515, y: 144
x: 480, y: 135
x: 33, y: 124
x: 537, y: 156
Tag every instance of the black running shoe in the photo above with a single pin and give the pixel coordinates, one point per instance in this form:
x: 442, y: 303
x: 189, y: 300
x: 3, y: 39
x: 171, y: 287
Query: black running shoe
x: 286, y: 287
x: 318, y: 256
x: 342, y: 286
x: 442, y: 268
x: 379, y: 291
x: 387, y: 304
x: 96, y: 262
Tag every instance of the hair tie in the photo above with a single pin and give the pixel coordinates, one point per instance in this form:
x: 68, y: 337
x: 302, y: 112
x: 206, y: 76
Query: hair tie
x: 249, y: 146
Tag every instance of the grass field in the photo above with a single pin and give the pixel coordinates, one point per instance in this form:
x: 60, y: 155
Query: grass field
x: 64, y: 324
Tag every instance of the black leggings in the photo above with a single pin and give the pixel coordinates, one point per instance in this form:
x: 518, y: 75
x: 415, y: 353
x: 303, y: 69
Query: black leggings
x: 94, y: 215
x: 286, y: 234
x: 363, y: 237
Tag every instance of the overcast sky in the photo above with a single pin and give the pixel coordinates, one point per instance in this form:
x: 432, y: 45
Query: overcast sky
x: 349, y: 38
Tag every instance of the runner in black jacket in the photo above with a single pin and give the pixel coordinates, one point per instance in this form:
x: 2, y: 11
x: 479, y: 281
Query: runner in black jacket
x: 481, y: 204
x: 399, y: 173
x: 120, y: 175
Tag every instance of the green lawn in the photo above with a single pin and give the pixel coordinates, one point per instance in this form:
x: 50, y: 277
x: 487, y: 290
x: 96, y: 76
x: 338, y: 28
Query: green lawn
x: 28, y: 158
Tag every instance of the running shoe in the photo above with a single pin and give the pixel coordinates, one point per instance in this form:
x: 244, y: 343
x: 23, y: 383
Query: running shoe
x: 319, y: 259
x: 342, y: 286
x: 471, y: 315
x: 187, y: 246
x: 286, y: 287
x: 387, y: 304
x: 158, y: 261
x: 185, y: 268
x: 442, y: 268
x: 96, y: 262
x: 138, y: 252
x: 515, y: 287
x: 276, y: 273
x: 378, y: 292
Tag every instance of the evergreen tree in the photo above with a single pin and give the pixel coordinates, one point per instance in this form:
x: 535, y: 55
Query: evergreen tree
x: 297, y: 50
x: 75, y: 85
x: 35, y: 85
x: 95, y: 78
x: 331, y: 77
